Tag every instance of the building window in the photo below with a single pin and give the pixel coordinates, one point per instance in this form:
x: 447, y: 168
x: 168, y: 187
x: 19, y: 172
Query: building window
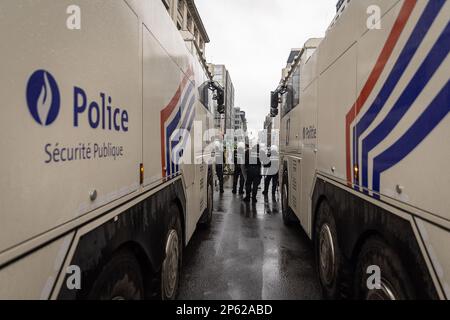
x: 180, y: 6
x: 204, y: 93
x: 296, y: 87
x: 189, y: 22
x: 218, y: 71
x: 195, y: 33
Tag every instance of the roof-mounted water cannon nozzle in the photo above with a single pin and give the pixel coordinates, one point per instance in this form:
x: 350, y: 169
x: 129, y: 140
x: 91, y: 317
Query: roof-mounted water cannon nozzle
x: 219, y: 95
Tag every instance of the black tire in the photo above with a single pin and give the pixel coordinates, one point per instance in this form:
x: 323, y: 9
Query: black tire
x: 206, y: 219
x: 120, y: 279
x: 172, y: 263
x: 395, y: 281
x: 328, y: 257
x: 288, y: 216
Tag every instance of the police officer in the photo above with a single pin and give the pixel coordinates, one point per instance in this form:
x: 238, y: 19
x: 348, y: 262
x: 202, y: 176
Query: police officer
x: 220, y: 161
x: 239, y: 155
x: 271, y: 171
x: 253, y: 170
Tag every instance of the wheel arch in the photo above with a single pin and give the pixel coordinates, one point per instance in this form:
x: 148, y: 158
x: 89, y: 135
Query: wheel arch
x: 140, y: 228
x: 358, y: 220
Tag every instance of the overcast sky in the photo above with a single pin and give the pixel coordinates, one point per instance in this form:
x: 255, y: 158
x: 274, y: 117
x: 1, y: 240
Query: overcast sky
x: 253, y: 39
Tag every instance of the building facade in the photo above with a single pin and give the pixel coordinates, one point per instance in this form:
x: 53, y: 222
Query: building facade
x: 240, y: 121
x: 222, y: 76
x: 240, y: 125
x: 237, y: 119
x: 186, y: 17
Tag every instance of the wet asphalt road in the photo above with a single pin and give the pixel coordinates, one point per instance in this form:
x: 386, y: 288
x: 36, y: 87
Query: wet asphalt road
x: 249, y: 254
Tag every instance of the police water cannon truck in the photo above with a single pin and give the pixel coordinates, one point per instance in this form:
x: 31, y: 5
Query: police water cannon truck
x: 93, y: 205
x: 364, y: 149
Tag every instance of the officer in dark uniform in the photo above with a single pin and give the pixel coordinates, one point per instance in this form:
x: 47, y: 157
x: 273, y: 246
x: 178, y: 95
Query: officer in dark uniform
x: 238, y: 174
x: 271, y: 171
x: 220, y: 161
x: 253, y: 170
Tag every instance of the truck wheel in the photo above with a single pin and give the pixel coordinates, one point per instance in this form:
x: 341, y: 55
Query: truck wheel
x: 171, y: 267
x: 328, y: 256
x: 208, y: 214
x: 120, y: 279
x: 288, y: 217
x: 394, y: 282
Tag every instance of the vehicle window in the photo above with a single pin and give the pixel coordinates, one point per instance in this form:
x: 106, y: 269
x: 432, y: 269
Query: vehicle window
x: 296, y: 87
x: 203, y: 93
x: 288, y: 98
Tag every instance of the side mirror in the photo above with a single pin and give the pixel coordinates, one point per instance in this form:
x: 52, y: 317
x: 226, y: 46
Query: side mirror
x: 274, y: 99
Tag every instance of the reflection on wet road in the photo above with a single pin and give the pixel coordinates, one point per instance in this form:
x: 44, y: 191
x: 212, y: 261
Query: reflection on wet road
x: 248, y: 254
